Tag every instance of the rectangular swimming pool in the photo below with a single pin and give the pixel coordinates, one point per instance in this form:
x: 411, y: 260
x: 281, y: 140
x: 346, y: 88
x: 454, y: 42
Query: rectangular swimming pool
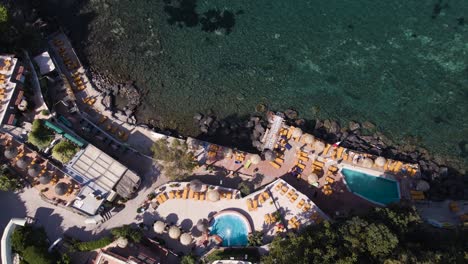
x: 376, y: 189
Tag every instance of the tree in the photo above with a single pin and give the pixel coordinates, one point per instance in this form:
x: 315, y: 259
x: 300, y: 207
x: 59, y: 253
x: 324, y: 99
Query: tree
x: 64, y: 151
x: 178, y: 161
x: 188, y: 259
x: 40, y: 136
x: 255, y: 239
x: 3, y: 14
x: 36, y: 255
x: 128, y: 232
x: 244, y: 188
x: 9, y: 183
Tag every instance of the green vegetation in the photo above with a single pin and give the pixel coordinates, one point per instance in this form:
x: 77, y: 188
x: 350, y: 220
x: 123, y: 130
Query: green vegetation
x: 236, y: 253
x: 45, y: 112
x: 3, y: 14
x: 31, y: 244
x: 189, y: 259
x: 385, y: 235
x: 244, y: 188
x: 9, y: 183
x: 92, y: 245
x: 178, y: 161
x: 64, y: 151
x: 40, y: 136
x: 255, y: 239
x: 134, y: 235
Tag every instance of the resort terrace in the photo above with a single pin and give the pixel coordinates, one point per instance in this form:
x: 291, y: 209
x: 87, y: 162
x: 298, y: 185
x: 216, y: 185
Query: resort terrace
x: 274, y: 209
x: 52, y: 183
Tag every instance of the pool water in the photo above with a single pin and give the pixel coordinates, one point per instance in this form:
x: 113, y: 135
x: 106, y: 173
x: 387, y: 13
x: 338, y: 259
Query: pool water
x: 375, y: 189
x: 231, y: 228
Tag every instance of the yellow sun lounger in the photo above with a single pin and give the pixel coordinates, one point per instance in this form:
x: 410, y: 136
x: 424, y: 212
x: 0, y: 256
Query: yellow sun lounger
x: 306, y: 208
x: 171, y: 194
x: 303, y: 158
x: 339, y: 152
x: 398, y: 166
x: 284, y: 189
x: 325, y: 151
x: 196, y: 196
x: 266, y: 195
x: 279, y: 161
x: 274, y: 164
x: 202, y: 196
x: 330, y: 179
x: 278, y: 186
x: 249, y: 204
x: 191, y: 194
x: 261, y: 200
x: 185, y: 193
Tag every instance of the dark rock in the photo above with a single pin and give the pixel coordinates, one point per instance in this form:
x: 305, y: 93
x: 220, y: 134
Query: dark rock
x: 353, y: 126
x: 255, y: 119
x: 225, y: 131
x: 327, y: 125
x: 256, y: 134
x: 204, y: 129
x: 318, y: 124
x: 259, y: 128
x: 209, y: 120
x: 443, y: 172
x: 223, y: 123
x: 414, y: 155
x: 334, y: 127
x: 250, y: 124
x: 281, y: 114
x: 234, y: 126
x: 291, y: 114
x: 368, y: 125
x: 243, y: 135
x: 257, y: 144
x: 344, y: 135
x: 299, y: 122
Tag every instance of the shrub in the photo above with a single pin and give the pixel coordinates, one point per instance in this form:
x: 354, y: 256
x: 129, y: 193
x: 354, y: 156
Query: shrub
x: 33, y: 254
x: 40, y: 136
x: 189, y: 259
x: 9, y: 183
x: 92, y: 245
x: 179, y: 161
x: 244, y: 188
x: 255, y: 239
x: 45, y: 112
x: 126, y: 231
x: 64, y: 151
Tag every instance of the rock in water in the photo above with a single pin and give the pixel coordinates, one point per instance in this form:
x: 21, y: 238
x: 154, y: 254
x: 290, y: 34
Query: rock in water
x: 197, y: 117
x: 291, y: 114
x: 334, y: 127
x: 368, y: 125
x: 353, y: 126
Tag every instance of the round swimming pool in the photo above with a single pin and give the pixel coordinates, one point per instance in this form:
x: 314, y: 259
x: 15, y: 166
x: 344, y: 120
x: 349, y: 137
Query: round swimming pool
x: 232, y: 227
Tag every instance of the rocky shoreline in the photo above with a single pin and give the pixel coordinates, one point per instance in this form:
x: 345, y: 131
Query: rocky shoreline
x: 446, y: 182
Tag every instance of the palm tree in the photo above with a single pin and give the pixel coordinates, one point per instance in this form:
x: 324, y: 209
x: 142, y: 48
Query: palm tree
x: 255, y: 239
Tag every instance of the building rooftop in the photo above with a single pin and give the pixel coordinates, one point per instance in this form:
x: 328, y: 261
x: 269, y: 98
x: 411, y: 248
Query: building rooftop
x: 7, y: 87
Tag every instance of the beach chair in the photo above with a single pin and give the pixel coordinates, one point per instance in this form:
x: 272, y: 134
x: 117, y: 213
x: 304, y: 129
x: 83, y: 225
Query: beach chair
x: 325, y: 151
x: 339, y: 152
x: 191, y: 194
x: 300, y: 165
x: 306, y: 208
x: 178, y: 194
x: 185, y: 193
x: 266, y: 195
x: 260, y: 199
x: 275, y: 165
x: 305, y: 159
x: 330, y: 180
x: 159, y: 199
x: 279, y: 161
x: 249, y: 205
x: 196, y: 196
x: 300, y: 204
x: 290, y: 131
x: 290, y: 193
x: 333, y: 169
x: 229, y: 196
x: 202, y: 196
x: 171, y: 195
x: 278, y: 186
x: 284, y: 189
x: 293, y: 198
x: 267, y: 219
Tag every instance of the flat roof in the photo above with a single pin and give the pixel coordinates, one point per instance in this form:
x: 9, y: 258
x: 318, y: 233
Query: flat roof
x: 97, y: 167
x: 44, y: 62
x: 8, y: 64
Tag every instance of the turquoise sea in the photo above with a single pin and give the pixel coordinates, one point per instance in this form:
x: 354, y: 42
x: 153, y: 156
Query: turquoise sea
x: 400, y: 64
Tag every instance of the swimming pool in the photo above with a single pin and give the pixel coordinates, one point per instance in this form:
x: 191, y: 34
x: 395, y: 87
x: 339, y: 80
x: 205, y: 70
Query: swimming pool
x: 378, y: 190
x: 232, y: 227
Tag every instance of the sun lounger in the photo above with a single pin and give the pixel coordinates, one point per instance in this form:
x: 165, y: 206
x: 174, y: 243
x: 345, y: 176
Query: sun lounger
x: 278, y: 186
x: 191, y: 194
x: 266, y: 195
x: 279, y: 160
x: 196, y: 196
x: 330, y: 179
x: 300, y: 204
x: 293, y: 198
x: 306, y: 208
x: 339, y: 152
x: 333, y: 169
x: 290, y: 131
x: 290, y: 193
x: 171, y: 194
x: 185, y: 193
x: 302, y: 166
x: 284, y: 189
x: 159, y: 199
x: 261, y: 200
x: 325, y: 151
x: 274, y: 164
x: 178, y: 194
x: 249, y: 205
x: 267, y: 219
x: 202, y: 196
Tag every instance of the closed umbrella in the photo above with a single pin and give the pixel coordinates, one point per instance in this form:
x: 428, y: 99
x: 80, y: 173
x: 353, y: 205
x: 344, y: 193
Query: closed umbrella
x: 34, y: 170
x: 196, y: 185
x: 319, y: 146
x: 423, y: 186
x: 380, y: 161
x: 159, y: 227
x: 174, y: 232
x: 21, y: 163
x: 213, y: 195
x: 269, y: 155
x: 10, y: 152
x: 227, y: 152
x: 367, y: 163
x: 255, y: 159
x: 45, y: 179
x: 185, y: 239
x: 202, y: 225
x: 61, y: 188
x: 312, y: 178
x: 297, y: 132
x: 308, y: 138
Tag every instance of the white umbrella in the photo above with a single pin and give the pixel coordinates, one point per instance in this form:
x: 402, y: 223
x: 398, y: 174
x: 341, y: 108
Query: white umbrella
x: 159, y: 227
x: 174, y: 232
x: 227, y: 152
x: 255, y: 159
x: 269, y: 155
x: 367, y: 163
x: 380, y: 161
x: 122, y: 242
x: 312, y: 178
x: 185, y: 239
x: 297, y: 132
x: 319, y: 146
x: 202, y: 225
x: 213, y: 195
x: 196, y: 185
x: 308, y: 138
x: 423, y: 186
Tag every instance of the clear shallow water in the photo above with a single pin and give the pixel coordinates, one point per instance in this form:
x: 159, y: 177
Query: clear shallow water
x: 388, y: 62
x: 232, y: 229
x: 376, y: 189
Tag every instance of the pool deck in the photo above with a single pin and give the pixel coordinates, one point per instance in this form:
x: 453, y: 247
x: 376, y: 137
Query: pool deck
x: 186, y: 213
